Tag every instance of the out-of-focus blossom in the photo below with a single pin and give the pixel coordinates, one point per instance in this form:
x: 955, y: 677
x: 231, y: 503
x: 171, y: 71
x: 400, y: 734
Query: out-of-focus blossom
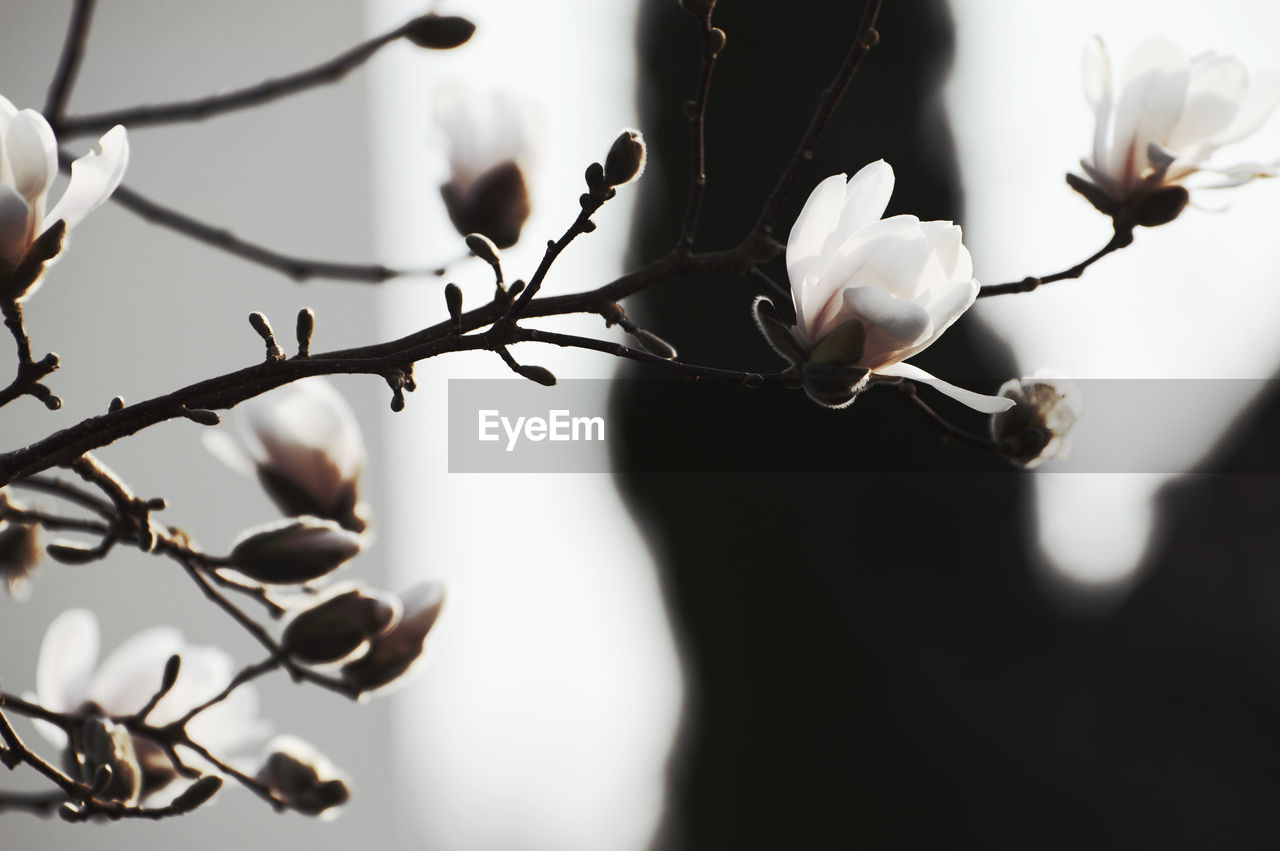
x: 108, y: 746
x: 303, y: 778
x: 70, y: 680
x: 488, y: 136
x: 303, y: 443
x: 395, y: 651
x: 28, y: 166
x: 20, y: 552
x: 869, y: 292
x: 1168, y: 116
x: 293, y: 551
x: 1047, y: 405
x: 341, y: 625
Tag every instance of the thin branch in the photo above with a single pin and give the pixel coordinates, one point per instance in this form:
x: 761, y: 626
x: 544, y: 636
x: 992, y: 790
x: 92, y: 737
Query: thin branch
x: 685, y: 370
x: 297, y: 268
x: 265, y: 92
x: 70, y: 492
x: 951, y: 434
x: 1122, y: 238
x: 250, y: 673
x: 69, y: 62
x: 712, y: 43
x: 864, y: 39
x: 30, y: 372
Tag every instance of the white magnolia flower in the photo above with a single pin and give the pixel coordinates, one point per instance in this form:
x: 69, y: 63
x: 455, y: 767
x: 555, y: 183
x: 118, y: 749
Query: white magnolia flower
x: 28, y: 166
x: 303, y: 443
x: 1169, y: 115
x: 870, y: 292
x: 490, y: 150
x: 1048, y: 404
x: 69, y: 679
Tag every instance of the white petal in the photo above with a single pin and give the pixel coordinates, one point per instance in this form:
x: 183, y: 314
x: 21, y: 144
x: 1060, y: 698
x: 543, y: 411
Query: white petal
x: 890, y: 254
x: 892, y: 323
x: 815, y: 223
x: 977, y: 401
x: 226, y: 449
x: 945, y: 308
x: 67, y: 657
x: 15, y: 232
x: 866, y: 198
x: 1214, y: 93
x: 32, y: 151
x: 947, y: 241
x: 1256, y: 108
x: 93, y: 178
x: 1097, y: 87
x: 232, y: 725
x: 131, y: 673
x: 1150, y: 102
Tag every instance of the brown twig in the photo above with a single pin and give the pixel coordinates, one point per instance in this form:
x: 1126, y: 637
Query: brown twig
x: 712, y: 43
x: 69, y: 62
x: 1122, y: 238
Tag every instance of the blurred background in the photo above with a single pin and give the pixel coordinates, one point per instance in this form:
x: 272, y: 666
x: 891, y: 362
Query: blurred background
x: 897, y: 645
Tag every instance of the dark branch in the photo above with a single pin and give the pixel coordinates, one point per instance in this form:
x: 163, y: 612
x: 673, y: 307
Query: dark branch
x: 69, y: 63
x: 864, y: 39
x: 712, y: 43
x: 265, y: 92
x: 1122, y: 238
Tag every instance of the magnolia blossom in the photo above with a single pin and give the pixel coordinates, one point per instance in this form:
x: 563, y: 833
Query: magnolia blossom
x: 303, y: 443
x: 395, y: 651
x: 869, y: 292
x: 294, y: 551
x: 1166, y: 119
x: 489, y: 150
x: 70, y: 680
x: 28, y: 166
x: 1035, y: 429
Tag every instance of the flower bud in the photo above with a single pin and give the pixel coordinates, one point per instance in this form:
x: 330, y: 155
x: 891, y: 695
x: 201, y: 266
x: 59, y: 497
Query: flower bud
x: 626, y: 158
x: 440, y: 32
x: 197, y: 794
x: 303, y: 778
x: 1160, y: 207
x: 495, y: 204
x: 20, y: 551
x: 107, y: 759
x: 339, y: 626
x: 395, y: 651
x: 1047, y: 405
x: 291, y: 551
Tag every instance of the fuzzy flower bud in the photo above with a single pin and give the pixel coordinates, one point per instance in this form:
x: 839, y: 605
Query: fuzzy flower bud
x: 340, y: 626
x: 303, y: 777
x: 626, y: 158
x: 395, y: 651
x: 292, y: 551
x: 20, y: 552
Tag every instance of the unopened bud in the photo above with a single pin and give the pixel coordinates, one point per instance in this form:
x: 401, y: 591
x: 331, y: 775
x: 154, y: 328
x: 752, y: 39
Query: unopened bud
x: 440, y: 32
x: 197, y: 794
x: 495, y: 204
x: 540, y: 374
x: 302, y: 777
x: 482, y: 247
x: 305, y: 326
x: 340, y: 626
x: 625, y: 160
x: 394, y: 652
x: 1160, y: 207
x: 292, y: 551
x: 653, y: 344
x: 453, y: 302
x: 1035, y: 428
x: 20, y: 552
x: 109, y: 746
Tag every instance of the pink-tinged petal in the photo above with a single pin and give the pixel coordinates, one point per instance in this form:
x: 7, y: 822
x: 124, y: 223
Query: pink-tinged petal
x: 32, y: 152
x: 131, y: 673
x: 1214, y: 93
x: 977, y: 401
x: 1256, y: 107
x: 891, y: 323
x: 14, y: 224
x: 891, y: 255
x: 93, y: 178
x: 812, y: 228
x: 67, y: 657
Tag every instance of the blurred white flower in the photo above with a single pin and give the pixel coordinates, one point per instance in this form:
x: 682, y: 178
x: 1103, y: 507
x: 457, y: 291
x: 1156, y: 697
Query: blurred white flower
x: 489, y: 139
x: 303, y: 777
x: 1035, y: 429
x: 869, y: 292
x: 304, y: 445
x: 28, y: 166
x: 69, y: 680
x: 21, y: 549
x: 1169, y: 115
